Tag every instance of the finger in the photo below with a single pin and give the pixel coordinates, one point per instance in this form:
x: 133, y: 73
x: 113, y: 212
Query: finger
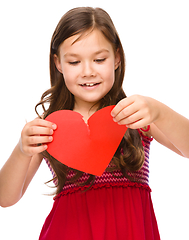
x: 43, y: 123
x: 35, y: 140
x: 137, y: 125
x: 127, y: 113
x: 121, y: 105
x: 39, y: 126
x: 36, y: 130
x: 34, y: 150
x: 131, y: 119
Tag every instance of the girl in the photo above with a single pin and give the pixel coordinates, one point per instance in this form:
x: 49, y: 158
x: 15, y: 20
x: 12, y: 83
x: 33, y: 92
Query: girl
x: 87, y: 69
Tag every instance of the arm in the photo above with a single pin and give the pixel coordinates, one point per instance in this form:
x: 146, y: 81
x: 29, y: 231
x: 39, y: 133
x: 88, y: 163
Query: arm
x: 167, y: 127
x: 15, y: 176
x: 24, y: 161
x: 171, y: 129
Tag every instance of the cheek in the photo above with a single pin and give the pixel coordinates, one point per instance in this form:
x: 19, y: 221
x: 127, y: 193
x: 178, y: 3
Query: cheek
x: 109, y: 74
x: 69, y: 76
x: 66, y: 73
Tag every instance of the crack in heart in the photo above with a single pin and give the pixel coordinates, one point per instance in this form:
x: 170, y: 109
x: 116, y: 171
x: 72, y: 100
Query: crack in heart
x: 86, y: 122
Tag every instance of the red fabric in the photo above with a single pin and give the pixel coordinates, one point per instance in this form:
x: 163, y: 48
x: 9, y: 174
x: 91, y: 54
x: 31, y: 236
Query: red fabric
x: 113, y: 213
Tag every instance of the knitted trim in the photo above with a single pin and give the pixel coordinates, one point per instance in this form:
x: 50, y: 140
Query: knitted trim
x: 146, y: 130
x: 145, y: 137
x: 103, y: 185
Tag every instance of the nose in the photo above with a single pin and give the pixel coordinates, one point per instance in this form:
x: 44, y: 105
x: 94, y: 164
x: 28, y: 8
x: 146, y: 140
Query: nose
x: 88, y: 70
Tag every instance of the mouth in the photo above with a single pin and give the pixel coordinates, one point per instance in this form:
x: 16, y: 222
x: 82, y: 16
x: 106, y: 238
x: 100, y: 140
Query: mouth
x: 89, y: 84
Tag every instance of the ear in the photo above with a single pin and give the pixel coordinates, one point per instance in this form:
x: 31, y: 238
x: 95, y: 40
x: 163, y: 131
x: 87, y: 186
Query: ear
x: 57, y: 63
x: 117, y: 59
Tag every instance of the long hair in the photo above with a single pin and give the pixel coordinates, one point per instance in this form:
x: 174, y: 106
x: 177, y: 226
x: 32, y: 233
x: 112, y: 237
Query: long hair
x: 129, y: 156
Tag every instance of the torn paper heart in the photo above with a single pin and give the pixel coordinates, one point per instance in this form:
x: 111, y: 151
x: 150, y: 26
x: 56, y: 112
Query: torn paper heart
x: 85, y: 147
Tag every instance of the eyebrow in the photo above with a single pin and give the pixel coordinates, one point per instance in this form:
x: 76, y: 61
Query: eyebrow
x: 77, y: 55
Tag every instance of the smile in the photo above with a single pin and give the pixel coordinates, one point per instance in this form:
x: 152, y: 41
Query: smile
x: 89, y: 84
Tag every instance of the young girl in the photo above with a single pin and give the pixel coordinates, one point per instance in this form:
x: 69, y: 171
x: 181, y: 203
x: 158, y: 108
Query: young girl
x: 87, y: 68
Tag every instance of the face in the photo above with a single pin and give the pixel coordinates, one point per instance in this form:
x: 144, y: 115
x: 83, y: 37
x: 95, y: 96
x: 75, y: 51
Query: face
x: 88, y: 65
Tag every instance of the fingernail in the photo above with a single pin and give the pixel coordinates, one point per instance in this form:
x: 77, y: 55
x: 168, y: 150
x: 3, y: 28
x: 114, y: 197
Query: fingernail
x: 114, y: 120
x: 54, y: 126
x: 50, y: 138
x: 112, y: 114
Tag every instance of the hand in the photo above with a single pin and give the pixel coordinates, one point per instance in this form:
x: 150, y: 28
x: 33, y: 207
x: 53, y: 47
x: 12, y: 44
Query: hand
x: 136, y: 111
x: 35, y: 135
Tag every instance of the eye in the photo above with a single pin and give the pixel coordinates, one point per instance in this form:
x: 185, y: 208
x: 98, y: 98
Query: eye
x: 100, y: 60
x: 74, y: 63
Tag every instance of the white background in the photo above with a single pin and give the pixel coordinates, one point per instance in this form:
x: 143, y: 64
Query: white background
x: 155, y: 36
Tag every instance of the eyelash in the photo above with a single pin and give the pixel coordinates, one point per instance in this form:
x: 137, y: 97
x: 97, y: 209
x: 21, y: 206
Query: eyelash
x: 74, y: 63
x: 100, y: 60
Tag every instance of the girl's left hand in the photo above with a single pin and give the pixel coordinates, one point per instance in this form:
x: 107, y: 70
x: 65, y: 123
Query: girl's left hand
x: 136, y: 111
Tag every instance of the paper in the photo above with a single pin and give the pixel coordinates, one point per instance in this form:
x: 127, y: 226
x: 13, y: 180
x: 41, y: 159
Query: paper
x: 85, y: 147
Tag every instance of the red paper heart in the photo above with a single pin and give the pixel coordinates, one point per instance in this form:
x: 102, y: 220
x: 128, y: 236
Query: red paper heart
x: 85, y: 147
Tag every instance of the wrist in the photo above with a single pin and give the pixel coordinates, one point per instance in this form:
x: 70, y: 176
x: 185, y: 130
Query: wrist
x: 162, y: 111
x: 21, y: 154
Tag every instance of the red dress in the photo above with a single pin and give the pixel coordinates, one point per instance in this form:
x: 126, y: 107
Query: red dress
x: 112, y: 209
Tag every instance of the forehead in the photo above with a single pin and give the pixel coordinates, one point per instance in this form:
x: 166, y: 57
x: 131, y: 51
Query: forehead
x: 88, y: 42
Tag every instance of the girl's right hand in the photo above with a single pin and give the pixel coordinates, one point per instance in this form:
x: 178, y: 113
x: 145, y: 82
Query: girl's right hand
x: 35, y: 136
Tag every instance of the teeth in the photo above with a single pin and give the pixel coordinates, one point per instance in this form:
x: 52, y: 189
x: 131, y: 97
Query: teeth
x: 89, y: 84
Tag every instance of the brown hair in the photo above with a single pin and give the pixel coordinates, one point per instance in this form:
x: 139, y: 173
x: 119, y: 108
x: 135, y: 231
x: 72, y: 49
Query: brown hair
x: 129, y: 156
